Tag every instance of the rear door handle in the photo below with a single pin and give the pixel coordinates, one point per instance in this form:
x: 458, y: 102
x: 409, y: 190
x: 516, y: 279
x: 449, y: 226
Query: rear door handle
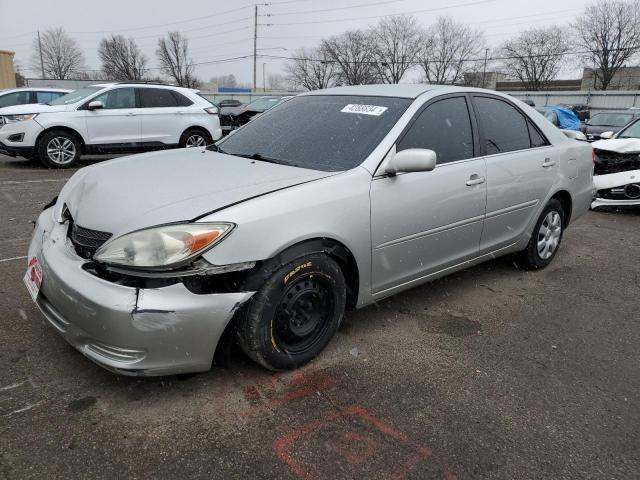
x: 131, y: 114
x: 475, y: 179
x: 548, y: 163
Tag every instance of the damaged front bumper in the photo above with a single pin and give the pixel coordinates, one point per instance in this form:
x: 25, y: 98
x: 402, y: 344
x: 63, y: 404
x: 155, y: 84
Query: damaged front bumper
x: 617, y: 189
x: 128, y: 330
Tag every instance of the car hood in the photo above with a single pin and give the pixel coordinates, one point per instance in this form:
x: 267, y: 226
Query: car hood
x: 131, y: 193
x: 32, y: 108
x: 618, y: 145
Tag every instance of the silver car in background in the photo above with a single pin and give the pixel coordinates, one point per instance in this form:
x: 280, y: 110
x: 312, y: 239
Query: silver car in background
x: 332, y: 200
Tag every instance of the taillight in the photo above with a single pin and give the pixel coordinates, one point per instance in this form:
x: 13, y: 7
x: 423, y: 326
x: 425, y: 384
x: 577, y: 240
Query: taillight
x: 593, y: 155
x: 211, y: 110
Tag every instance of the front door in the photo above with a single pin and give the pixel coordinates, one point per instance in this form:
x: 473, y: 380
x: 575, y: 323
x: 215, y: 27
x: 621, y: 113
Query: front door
x: 425, y: 222
x: 118, y: 122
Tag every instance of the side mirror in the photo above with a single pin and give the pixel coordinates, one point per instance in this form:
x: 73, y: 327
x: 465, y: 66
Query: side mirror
x: 95, y: 105
x: 575, y: 135
x: 412, y: 160
x: 606, y: 135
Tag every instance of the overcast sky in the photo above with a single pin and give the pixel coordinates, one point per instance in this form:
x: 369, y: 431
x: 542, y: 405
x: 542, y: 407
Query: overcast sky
x: 219, y: 30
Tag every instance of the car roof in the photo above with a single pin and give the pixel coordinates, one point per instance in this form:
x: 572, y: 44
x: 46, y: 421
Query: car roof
x: 401, y: 90
x: 142, y: 84
x: 35, y: 89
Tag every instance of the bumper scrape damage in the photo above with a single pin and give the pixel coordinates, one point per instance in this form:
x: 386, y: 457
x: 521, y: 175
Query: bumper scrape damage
x: 124, y: 328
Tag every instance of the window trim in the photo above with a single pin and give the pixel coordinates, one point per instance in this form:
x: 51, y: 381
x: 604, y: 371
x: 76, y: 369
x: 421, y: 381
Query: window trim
x: 472, y: 121
x: 527, y: 119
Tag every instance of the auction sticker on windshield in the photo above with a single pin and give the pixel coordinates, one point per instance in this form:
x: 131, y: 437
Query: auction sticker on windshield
x: 364, y: 109
x: 33, y: 277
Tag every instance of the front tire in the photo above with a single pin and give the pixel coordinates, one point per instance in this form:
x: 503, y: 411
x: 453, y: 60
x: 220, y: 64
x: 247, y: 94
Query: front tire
x: 546, y: 238
x: 294, y: 315
x: 59, y: 149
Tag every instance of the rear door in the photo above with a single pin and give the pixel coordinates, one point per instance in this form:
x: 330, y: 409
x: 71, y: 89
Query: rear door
x: 164, y: 115
x: 424, y: 222
x: 118, y: 122
x: 521, y: 170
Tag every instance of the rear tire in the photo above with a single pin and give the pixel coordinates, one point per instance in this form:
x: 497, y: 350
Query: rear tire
x: 195, y: 137
x: 294, y: 315
x: 59, y: 149
x: 545, y: 240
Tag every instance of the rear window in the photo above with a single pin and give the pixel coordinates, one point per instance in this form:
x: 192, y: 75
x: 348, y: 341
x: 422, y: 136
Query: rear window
x: 610, y: 119
x: 328, y: 132
x: 157, y: 97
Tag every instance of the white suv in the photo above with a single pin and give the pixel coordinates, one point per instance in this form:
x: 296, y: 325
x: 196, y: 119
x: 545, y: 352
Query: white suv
x: 108, y: 118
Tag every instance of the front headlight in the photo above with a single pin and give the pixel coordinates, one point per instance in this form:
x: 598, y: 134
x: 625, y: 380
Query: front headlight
x: 162, y: 247
x: 19, y: 118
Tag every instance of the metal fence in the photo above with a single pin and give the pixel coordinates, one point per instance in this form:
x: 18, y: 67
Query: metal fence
x: 598, y: 100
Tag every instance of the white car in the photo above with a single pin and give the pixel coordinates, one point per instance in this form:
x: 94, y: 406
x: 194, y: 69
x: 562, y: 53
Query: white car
x: 617, y: 167
x: 108, y: 118
x: 22, y: 96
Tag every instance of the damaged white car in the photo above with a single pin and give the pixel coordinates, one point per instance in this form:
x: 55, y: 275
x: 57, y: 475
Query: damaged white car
x: 617, y: 168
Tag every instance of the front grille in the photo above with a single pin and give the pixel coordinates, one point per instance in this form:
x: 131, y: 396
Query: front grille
x: 86, y: 241
x: 611, y: 162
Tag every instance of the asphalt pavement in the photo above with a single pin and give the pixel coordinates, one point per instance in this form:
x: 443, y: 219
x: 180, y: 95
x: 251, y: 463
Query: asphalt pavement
x: 490, y: 373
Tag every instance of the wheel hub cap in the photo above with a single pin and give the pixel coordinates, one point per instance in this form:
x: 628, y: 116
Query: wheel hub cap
x: 195, y: 141
x: 61, y: 150
x: 549, y: 235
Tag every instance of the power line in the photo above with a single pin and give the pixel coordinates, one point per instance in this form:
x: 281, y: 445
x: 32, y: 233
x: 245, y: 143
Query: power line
x: 360, y: 5
x: 425, y: 10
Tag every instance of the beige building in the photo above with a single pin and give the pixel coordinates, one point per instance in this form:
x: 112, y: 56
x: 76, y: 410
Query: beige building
x: 627, y: 78
x: 7, y: 72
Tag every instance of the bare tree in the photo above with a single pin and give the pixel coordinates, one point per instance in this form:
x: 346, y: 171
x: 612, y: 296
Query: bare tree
x: 353, y: 56
x: 610, y: 31
x: 60, y: 55
x: 311, y: 69
x: 225, y: 80
x: 449, y: 50
x: 535, y: 56
x: 397, y: 43
x: 173, y: 56
x: 122, y: 59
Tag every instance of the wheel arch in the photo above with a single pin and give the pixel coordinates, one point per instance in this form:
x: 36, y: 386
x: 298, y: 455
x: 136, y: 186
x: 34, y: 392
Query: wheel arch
x: 64, y: 129
x: 564, y: 197
x: 335, y: 249
x: 195, y: 127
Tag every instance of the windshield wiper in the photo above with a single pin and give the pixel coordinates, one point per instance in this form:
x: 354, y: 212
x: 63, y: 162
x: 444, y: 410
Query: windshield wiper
x: 215, y: 148
x: 259, y: 157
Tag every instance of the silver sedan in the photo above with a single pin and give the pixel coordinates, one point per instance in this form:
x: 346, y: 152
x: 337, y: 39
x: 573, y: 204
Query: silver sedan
x: 332, y: 200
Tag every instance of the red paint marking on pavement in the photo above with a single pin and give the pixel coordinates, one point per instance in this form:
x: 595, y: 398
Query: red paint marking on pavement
x: 368, y: 449
x: 272, y: 392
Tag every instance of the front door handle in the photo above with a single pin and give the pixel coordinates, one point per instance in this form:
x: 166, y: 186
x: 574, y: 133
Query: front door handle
x: 131, y: 114
x: 548, y: 163
x: 475, y: 179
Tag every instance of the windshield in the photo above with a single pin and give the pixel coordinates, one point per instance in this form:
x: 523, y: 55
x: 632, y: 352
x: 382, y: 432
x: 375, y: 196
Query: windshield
x: 632, y: 131
x: 263, y: 104
x: 610, y: 119
x: 75, y: 96
x: 328, y: 133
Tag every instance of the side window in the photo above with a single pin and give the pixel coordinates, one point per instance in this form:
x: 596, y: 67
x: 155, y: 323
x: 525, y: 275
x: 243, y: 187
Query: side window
x: 14, y: 98
x: 537, y: 140
x: 117, y: 98
x: 181, y: 99
x: 157, y: 97
x: 505, y: 128
x: 445, y: 128
x: 46, y: 97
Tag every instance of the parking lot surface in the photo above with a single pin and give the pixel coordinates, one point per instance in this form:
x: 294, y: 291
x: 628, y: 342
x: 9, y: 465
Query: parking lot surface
x: 490, y: 373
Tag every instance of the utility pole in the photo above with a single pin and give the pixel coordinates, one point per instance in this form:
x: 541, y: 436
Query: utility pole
x: 264, y: 82
x: 484, y: 69
x: 255, y: 45
x: 40, y: 50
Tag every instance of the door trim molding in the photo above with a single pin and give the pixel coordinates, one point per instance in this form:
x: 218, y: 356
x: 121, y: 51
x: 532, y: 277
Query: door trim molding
x: 433, y: 231
x: 512, y: 208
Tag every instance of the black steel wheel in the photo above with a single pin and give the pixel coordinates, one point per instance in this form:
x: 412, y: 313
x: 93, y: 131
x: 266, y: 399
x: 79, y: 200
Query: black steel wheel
x: 294, y: 315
